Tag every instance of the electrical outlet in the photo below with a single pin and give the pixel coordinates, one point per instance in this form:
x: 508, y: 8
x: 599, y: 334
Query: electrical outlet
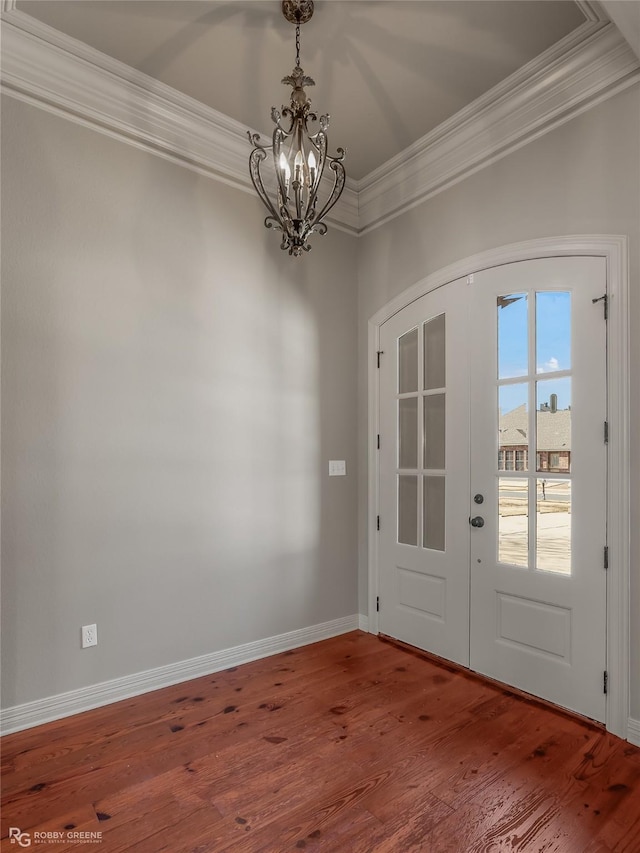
x: 89, y: 636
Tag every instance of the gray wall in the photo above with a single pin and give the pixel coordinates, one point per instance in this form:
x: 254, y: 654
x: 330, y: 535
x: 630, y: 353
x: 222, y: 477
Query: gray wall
x: 583, y: 178
x: 173, y: 388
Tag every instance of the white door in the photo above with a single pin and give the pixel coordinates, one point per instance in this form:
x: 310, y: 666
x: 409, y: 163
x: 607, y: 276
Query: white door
x: 424, y: 474
x: 538, y: 458
x: 493, y: 477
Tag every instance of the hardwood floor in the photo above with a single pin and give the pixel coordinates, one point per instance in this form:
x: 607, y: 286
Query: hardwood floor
x: 351, y: 745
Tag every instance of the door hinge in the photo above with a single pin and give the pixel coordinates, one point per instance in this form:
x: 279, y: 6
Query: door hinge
x: 379, y: 353
x: 604, y: 299
x: 378, y: 522
x: 378, y: 441
x: 606, y: 556
x: 378, y: 604
x: 606, y: 432
x: 605, y: 681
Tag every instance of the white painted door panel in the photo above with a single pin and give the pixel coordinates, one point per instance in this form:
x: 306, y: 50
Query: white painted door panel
x: 538, y: 583
x: 424, y: 542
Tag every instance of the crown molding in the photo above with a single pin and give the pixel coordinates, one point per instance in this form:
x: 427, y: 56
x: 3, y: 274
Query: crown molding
x: 55, y: 72
x: 592, y: 10
x: 590, y: 64
x: 626, y: 17
x: 62, y: 75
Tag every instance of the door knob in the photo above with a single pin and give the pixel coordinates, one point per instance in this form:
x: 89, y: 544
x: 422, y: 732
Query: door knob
x: 478, y: 521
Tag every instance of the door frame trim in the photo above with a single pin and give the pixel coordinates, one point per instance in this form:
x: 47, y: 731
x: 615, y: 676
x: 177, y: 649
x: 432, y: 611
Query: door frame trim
x: 614, y: 248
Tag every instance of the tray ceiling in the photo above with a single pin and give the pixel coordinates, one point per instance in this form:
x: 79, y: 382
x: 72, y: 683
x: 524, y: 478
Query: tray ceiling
x: 388, y: 72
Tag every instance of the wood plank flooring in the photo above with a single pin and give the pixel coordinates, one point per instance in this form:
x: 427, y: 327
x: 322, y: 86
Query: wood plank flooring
x: 351, y: 745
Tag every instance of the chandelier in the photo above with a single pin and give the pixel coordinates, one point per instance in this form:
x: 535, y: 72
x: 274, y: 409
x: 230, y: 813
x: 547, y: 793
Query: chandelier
x: 300, y: 158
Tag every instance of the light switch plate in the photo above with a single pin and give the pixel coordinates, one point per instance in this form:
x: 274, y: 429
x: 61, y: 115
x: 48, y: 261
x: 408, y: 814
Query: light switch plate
x: 337, y: 468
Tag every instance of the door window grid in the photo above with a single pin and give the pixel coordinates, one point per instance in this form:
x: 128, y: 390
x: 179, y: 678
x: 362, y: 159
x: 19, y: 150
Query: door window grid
x: 543, y: 524
x: 421, y: 431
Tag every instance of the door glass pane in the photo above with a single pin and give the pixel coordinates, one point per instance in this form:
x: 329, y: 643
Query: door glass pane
x: 434, y: 353
x: 513, y: 426
x: 408, y: 362
x: 408, y: 509
x: 513, y: 521
x: 553, y: 426
x: 513, y: 346
x: 553, y: 523
x: 434, y: 431
x: 408, y: 432
x: 434, y: 513
x: 553, y: 331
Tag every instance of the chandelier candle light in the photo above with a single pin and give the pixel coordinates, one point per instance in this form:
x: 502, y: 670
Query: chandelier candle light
x: 299, y: 157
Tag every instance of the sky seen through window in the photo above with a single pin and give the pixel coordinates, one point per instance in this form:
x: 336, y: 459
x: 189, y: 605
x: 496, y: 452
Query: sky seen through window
x: 553, y: 347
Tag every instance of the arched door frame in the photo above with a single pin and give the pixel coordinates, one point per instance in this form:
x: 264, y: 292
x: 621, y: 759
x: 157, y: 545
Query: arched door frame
x: 614, y: 249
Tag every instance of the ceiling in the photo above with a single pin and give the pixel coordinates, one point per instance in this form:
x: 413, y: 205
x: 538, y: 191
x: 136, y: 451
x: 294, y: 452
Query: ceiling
x: 388, y: 71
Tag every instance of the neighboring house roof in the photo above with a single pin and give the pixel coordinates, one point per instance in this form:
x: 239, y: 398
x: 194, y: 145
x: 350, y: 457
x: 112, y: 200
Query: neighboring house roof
x: 554, y: 429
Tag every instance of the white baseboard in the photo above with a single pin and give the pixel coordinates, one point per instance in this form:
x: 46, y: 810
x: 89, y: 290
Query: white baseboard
x: 95, y: 696
x: 633, y: 731
x: 363, y: 622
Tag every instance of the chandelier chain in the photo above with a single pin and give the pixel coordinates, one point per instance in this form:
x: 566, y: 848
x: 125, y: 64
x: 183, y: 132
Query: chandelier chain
x: 298, y: 45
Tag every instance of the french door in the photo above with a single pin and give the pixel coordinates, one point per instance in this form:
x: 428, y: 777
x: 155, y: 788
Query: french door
x: 493, y: 477
x: 424, y: 463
